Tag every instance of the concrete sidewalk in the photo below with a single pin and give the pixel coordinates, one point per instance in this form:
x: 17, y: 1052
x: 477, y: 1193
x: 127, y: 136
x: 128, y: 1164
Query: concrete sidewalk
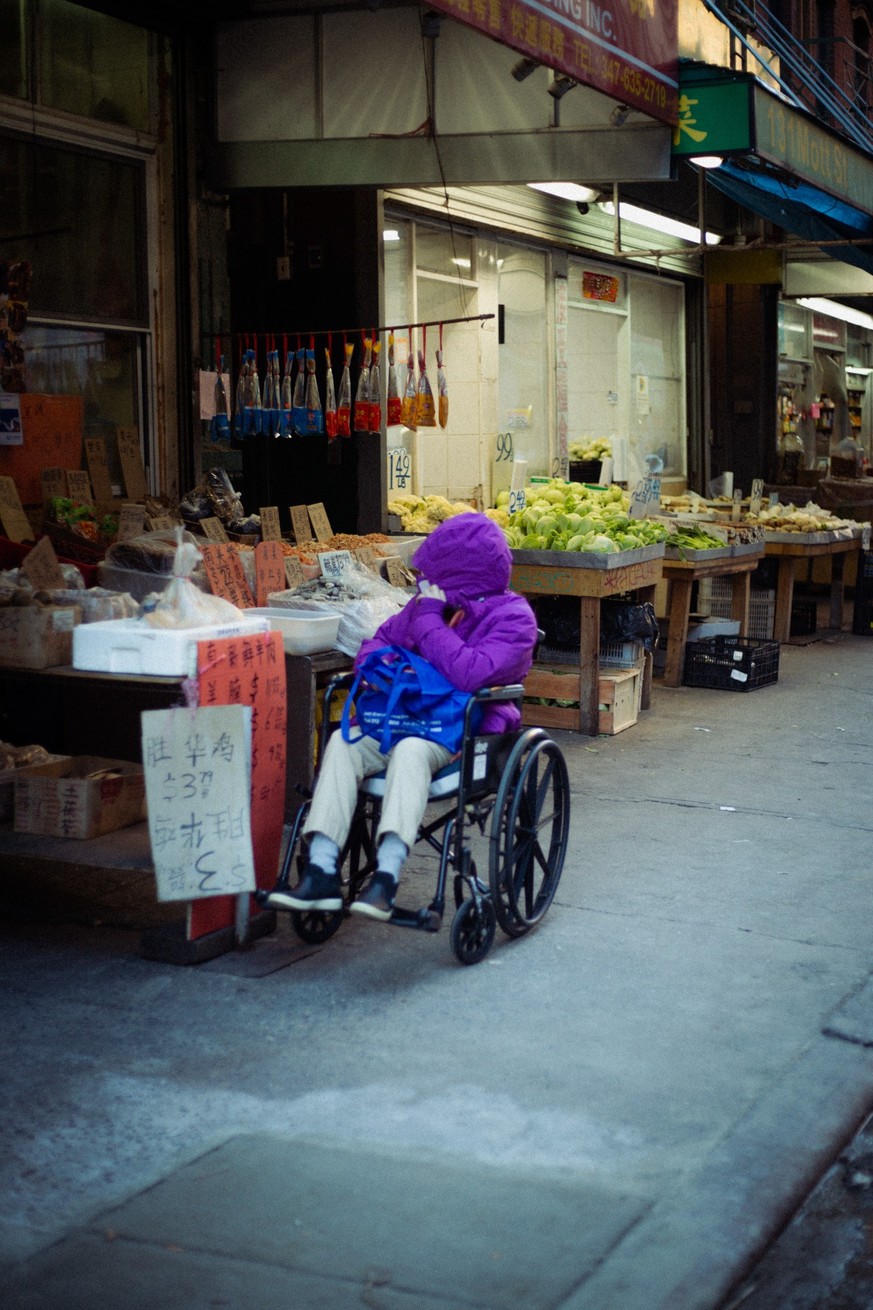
x: 615, y: 1112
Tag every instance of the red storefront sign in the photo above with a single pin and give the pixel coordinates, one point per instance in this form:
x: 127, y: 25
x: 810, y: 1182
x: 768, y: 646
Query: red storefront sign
x: 626, y: 48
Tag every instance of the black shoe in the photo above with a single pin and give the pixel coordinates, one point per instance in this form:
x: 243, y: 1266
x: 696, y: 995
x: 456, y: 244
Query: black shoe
x: 376, y: 901
x: 316, y: 890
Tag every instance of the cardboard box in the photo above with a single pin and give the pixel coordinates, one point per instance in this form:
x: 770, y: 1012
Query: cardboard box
x: 619, y: 690
x: 37, y: 636
x: 72, y: 804
x: 48, y: 768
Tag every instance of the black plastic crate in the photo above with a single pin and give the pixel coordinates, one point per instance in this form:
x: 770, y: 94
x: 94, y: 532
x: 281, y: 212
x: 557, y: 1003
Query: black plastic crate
x: 803, y: 618
x: 864, y: 580
x: 862, y: 618
x: 731, y: 663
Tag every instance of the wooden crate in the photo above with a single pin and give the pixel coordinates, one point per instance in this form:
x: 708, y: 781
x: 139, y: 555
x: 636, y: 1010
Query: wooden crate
x: 619, y: 689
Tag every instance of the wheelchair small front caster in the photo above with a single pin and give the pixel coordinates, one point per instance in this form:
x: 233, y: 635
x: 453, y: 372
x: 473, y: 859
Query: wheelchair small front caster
x: 472, y: 932
x: 316, y: 926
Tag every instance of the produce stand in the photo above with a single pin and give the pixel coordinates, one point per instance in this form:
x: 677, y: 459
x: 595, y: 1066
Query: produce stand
x: 681, y: 571
x: 787, y: 548
x: 590, y: 578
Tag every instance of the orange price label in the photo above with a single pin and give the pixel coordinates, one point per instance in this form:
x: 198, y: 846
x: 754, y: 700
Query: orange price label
x: 269, y: 570
x: 226, y: 575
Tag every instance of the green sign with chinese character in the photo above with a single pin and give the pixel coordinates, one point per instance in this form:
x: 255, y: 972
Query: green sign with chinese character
x: 714, y: 117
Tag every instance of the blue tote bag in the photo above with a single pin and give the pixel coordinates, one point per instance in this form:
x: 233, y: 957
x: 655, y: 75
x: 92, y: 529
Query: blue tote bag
x: 398, y: 694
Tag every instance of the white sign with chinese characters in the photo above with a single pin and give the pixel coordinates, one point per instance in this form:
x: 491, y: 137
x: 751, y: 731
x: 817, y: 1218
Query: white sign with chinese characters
x: 197, y: 766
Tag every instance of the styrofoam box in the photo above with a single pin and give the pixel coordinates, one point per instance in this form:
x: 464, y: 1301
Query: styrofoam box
x: 133, y: 646
x: 303, y: 633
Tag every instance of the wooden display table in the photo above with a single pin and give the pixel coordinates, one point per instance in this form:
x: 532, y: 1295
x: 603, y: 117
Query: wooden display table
x: 788, y: 548
x: 556, y: 573
x: 681, y: 574
x: 72, y: 712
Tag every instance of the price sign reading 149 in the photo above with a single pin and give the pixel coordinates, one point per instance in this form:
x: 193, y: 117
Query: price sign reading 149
x: 399, y: 469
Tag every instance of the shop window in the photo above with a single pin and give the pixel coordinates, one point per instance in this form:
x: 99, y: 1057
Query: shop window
x: 433, y: 276
x: 524, y: 405
x: 77, y: 218
x: 93, y: 65
x: 657, y: 421
x: 13, y: 65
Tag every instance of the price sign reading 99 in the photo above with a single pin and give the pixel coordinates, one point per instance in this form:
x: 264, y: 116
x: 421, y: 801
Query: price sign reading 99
x: 505, y: 448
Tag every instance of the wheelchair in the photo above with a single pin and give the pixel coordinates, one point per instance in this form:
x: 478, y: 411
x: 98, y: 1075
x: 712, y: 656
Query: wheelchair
x: 513, y: 784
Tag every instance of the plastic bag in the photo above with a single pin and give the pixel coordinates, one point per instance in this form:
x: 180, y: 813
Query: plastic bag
x: 410, y: 393
x: 442, y: 386
x: 298, y: 404
x: 362, y: 395
x: 425, y: 414
x: 344, y: 404
x: 183, y: 605
x: 314, y: 414
x: 620, y: 621
x: 330, y: 415
x: 375, y: 408
x: 286, y: 402
x: 361, y: 619
x: 220, y: 423
x: 394, y: 415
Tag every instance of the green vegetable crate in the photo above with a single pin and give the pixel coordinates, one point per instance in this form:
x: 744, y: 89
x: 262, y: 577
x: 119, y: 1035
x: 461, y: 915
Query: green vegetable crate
x: 552, y: 699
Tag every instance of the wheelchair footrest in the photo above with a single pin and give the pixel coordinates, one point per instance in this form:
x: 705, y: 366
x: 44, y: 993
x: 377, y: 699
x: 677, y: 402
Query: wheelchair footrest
x: 426, y: 920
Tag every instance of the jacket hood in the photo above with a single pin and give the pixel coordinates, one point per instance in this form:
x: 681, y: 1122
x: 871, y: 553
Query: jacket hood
x: 467, y: 556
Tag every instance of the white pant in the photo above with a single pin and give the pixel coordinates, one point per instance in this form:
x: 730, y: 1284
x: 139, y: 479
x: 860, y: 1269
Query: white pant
x: 410, y: 766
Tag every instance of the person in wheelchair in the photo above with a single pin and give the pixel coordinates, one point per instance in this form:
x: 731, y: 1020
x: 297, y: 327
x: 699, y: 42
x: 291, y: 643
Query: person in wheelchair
x: 477, y: 633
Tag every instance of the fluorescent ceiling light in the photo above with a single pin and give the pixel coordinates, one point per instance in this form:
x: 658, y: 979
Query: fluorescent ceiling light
x: 707, y: 161
x: 463, y: 263
x: 659, y: 223
x: 390, y: 234
x: 567, y: 190
x: 836, y: 310
x: 853, y: 368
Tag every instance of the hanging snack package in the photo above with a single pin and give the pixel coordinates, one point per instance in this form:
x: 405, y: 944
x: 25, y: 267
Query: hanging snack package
x: 314, y: 420
x: 410, y: 394
x: 362, y: 395
x: 394, y: 402
x: 298, y: 401
x: 254, y: 413
x: 285, y: 428
x: 344, y: 404
x: 270, y: 398
x: 276, y: 400
x: 220, y: 424
x: 442, y: 385
x: 330, y: 416
x: 425, y: 412
x: 242, y: 392
x: 375, y: 424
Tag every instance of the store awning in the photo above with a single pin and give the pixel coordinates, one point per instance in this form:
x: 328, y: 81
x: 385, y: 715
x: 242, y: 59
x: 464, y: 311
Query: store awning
x: 778, y: 161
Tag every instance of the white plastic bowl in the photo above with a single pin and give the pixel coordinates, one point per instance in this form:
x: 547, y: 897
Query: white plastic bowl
x: 303, y: 632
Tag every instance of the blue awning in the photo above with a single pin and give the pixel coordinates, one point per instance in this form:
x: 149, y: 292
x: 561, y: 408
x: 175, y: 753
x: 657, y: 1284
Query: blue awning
x: 801, y: 209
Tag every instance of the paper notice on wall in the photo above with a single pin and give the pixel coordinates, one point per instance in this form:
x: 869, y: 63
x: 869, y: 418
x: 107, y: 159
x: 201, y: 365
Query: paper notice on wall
x: 11, y: 433
x: 197, y: 766
x: 207, y: 393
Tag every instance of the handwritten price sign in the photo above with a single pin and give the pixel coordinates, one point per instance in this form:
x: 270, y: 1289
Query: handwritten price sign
x: 198, y: 778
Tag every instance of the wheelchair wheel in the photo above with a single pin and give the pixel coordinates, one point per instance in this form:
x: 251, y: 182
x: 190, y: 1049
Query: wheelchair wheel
x: 316, y: 926
x: 529, y: 829
x: 472, y: 931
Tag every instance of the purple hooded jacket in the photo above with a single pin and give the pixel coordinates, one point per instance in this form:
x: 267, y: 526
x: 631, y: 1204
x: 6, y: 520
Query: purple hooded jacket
x: 493, y: 643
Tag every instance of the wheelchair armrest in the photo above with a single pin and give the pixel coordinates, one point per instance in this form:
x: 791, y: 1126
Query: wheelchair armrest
x: 513, y: 691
